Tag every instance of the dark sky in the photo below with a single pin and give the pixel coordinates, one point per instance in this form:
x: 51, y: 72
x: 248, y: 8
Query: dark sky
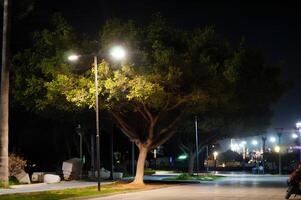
x: 273, y: 28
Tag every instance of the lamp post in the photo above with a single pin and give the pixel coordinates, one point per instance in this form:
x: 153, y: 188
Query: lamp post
x: 279, y: 134
x: 133, y: 158
x: 298, y: 126
x: 118, y: 53
x: 80, y: 134
x: 263, y: 138
x: 197, y: 146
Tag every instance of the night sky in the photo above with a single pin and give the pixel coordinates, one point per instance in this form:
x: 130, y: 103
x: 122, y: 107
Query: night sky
x: 273, y: 28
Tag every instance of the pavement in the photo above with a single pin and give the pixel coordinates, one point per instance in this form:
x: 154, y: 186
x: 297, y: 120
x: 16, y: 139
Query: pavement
x: 235, y: 187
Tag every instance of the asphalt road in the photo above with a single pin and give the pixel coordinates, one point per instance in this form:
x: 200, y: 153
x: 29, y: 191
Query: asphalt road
x: 241, y: 187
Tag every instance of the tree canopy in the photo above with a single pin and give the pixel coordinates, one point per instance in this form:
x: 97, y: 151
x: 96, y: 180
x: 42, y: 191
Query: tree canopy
x: 169, y: 74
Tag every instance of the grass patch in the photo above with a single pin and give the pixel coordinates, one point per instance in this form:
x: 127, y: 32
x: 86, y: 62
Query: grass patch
x: 201, y: 177
x: 149, y: 171
x: 12, y: 181
x: 79, y: 192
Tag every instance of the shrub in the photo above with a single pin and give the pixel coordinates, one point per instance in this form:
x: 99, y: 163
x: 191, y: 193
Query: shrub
x: 16, y: 164
x: 184, y: 176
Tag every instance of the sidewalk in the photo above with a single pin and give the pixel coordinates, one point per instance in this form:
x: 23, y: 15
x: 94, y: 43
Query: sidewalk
x: 39, y: 187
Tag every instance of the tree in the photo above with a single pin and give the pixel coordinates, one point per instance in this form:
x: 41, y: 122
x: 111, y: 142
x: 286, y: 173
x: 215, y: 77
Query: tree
x: 5, y: 95
x: 248, y: 112
x: 32, y: 69
x: 171, y: 73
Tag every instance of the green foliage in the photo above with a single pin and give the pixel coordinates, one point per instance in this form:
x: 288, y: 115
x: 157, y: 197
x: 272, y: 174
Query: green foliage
x: 201, y: 177
x: 33, y: 68
x: 184, y: 176
x: 169, y: 73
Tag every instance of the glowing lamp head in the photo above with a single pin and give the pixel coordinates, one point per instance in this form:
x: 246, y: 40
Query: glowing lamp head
x: 118, y: 53
x: 182, y: 157
x: 277, y: 149
x: 294, y: 136
x: 73, y: 57
x: 272, y: 139
x: 215, y: 154
x: 254, y: 142
x: 243, y: 143
x: 298, y: 124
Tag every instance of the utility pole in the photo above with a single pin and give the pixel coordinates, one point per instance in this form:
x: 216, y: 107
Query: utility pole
x: 263, y: 138
x: 197, y: 146
x: 279, y: 133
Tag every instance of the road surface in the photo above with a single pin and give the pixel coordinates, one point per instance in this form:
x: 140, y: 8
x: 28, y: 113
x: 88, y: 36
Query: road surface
x: 240, y: 187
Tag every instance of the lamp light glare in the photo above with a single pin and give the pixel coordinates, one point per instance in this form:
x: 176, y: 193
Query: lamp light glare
x: 118, y: 53
x: 215, y: 154
x: 272, y: 139
x: 254, y: 142
x: 73, y: 57
x: 294, y: 135
x: 277, y: 149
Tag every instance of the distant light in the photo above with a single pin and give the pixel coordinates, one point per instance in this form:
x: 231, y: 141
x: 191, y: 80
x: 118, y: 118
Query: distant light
x: 243, y: 143
x: 272, y: 139
x: 277, y: 149
x: 73, y: 57
x: 215, y: 154
x: 118, y: 52
x: 254, y: 142
x: 298, y: 124
x: 182, y: 157
x: 294, y: 135
x: 234, y: 147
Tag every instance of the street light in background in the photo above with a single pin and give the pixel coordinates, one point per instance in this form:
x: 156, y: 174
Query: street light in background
x: 80, y: 134
x: 117, y: 53
x: 294, y: 136
x: 215, y: 154
x: 254, y: 142
x: 278, y: 149
x: 263, y: 138
x: 197, y: 146
x: 272, y: 139
x: 243, y: 146
x: 298, y: 126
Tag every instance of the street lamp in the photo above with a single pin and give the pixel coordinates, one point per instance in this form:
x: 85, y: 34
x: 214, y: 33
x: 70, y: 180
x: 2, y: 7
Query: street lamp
x: 272, y: 139
x: 298, y: 126
x: 197, y: 146
x: 294, y: 136
x: 277, y: 148
x: 117, y: 53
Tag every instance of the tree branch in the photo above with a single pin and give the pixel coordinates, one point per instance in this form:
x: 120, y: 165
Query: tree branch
x: 183, y: 147
x: 171, y: 125
x: 161, y: 140
x: 125, y: 127
x: 142, y: 114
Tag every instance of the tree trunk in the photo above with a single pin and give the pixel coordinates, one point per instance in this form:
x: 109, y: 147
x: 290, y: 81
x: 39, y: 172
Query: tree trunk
x: 4, y: 106
x: 191, y: 163
x: 140, y: 166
